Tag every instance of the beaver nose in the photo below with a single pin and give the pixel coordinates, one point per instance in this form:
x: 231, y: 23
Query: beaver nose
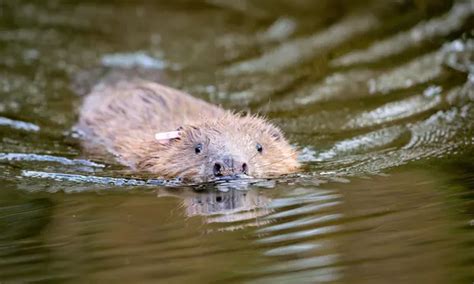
x: 245, y: 168
x: 229, y: 166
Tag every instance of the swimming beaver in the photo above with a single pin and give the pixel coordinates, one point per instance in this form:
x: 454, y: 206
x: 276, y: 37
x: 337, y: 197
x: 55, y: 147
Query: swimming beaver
x: 154, y: 128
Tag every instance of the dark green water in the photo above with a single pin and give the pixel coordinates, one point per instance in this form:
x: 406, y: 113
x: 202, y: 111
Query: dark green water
x: 378, y: 95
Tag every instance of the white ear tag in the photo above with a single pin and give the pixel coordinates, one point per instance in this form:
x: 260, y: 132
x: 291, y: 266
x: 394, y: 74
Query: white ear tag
x: 167, y: 135
x: 164, y: 137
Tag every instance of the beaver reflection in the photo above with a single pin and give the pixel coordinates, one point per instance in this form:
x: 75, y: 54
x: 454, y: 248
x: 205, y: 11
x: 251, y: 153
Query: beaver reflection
x: 222, y: 206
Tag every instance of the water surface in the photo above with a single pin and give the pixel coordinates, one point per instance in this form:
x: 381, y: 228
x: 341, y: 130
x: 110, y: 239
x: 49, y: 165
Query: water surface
x: 377, y: 95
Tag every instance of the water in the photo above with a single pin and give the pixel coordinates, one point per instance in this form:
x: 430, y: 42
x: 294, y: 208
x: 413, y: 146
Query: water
x: 378, y: 95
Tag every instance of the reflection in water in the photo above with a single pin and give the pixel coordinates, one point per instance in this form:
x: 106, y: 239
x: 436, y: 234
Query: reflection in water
x: 223, y: 206
x: 305, y: 234
x: 379, y: 97
x: 22, y: 224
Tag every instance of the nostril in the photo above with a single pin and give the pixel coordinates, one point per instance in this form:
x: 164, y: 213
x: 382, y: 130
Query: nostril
x: 244, y: 168
x: 217, y: 169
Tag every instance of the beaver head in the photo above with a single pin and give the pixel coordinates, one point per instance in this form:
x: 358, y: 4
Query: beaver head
x: 228, y: 146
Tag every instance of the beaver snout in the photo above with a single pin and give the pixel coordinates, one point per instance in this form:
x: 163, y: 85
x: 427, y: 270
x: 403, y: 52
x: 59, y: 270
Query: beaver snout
x: 228, y: 166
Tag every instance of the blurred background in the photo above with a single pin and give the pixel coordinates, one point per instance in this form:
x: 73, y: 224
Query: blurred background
x: 377, y: 95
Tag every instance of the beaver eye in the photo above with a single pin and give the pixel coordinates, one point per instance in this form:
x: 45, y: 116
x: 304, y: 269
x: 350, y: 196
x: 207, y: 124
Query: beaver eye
x: 198, y: 148
x: 259, y: 148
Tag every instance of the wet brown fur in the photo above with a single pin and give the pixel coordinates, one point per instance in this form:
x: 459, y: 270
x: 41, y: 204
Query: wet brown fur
x: 125, y: 117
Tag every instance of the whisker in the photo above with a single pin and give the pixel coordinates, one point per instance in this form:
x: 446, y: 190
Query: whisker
x: 277, y: 161
x: 186, y: 169
x: 251, y: 158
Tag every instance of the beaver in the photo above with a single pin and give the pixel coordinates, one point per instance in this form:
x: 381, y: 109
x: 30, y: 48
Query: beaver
x: 154, y: 128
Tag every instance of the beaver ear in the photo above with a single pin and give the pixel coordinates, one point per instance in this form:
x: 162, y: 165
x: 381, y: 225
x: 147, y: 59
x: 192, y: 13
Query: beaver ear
x: 276, y: 133
x: 166, y: 137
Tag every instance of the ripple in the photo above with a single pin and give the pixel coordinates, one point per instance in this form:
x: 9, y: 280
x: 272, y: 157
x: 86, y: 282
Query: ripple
x: 317, y: 232
x: 438, y: 131
x: 293, y: 249
x: 31, y: 36
x: 21, y: 125
x: 424, y: 31
x: 459, y: 55
x: 83, y: 178
x: 336, y: 86
x: 281, y: 29
x: 322, y: 275
x: 346, y: 85
x: 306, y: 198
x: 134, y: 59
x: 313, y: 208
x: 365, y: 142
x: 48, y: 158
x: 300, y: 223
x: 420, y: 70
x: 439, y: 135
x: 293, y: 52
x: 303, y: 264
x: 394, y: 111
